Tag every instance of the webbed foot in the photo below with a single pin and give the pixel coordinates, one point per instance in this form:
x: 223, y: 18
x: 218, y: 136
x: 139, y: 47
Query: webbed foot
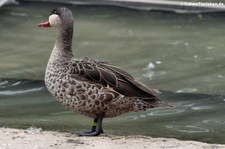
x: 96, y: 129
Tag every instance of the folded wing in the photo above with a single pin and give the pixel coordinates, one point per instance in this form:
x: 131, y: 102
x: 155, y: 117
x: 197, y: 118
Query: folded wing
x: 112, y: 76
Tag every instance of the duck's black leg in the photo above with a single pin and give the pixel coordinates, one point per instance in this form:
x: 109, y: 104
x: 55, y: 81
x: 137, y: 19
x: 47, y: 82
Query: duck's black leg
x: 96, y: 128
x: 94, y: 124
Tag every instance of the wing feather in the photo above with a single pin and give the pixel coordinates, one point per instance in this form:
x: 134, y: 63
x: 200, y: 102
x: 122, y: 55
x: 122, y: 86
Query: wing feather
x: 118, y: 70
x: 109, y: 75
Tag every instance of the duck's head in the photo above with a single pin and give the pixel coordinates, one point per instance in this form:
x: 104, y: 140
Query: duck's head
x: 59, y: 17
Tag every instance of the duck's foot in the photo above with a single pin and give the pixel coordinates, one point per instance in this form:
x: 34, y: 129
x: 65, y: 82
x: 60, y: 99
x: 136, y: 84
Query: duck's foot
x: 89, y: 133
x: 96, y: 129
x: 81, y: 134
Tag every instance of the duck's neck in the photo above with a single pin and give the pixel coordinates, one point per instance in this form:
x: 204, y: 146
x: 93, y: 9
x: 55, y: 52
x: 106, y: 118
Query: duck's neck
x: 63, y: 46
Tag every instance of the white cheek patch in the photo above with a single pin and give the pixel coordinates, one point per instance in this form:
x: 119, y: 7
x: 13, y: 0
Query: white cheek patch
x: 54, y: 20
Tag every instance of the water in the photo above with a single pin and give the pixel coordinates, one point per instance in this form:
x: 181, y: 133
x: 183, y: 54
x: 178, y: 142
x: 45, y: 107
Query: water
x: 182, y: 55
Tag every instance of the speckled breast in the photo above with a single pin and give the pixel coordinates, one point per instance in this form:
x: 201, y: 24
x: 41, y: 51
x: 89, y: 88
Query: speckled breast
x: 84, y: 97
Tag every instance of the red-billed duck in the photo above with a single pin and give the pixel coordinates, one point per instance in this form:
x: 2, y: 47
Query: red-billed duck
x: 94, y: 88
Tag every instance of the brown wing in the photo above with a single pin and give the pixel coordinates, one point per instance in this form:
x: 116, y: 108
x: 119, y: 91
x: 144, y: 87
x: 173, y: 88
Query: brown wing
x: 109, y: 75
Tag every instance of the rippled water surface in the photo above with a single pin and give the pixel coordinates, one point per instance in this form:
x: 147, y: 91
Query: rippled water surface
x: 182, y: 55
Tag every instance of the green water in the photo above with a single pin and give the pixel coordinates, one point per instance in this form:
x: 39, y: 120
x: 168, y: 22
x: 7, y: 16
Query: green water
x: 182, y: 55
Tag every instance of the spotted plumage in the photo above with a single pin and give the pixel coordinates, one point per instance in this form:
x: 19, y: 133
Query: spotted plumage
x: 94, y: 88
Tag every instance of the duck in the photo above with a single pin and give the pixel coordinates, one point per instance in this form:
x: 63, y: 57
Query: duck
x: 94, y: 88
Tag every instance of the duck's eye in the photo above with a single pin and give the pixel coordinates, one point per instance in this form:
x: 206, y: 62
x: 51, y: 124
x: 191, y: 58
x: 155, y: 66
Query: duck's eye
x: 54, y: 12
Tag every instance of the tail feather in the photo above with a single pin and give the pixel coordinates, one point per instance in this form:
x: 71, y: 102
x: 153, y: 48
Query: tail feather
x: 157, y: 103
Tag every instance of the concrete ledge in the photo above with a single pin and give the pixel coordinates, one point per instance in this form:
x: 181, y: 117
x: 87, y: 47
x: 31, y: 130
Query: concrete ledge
x: 148, y: 5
